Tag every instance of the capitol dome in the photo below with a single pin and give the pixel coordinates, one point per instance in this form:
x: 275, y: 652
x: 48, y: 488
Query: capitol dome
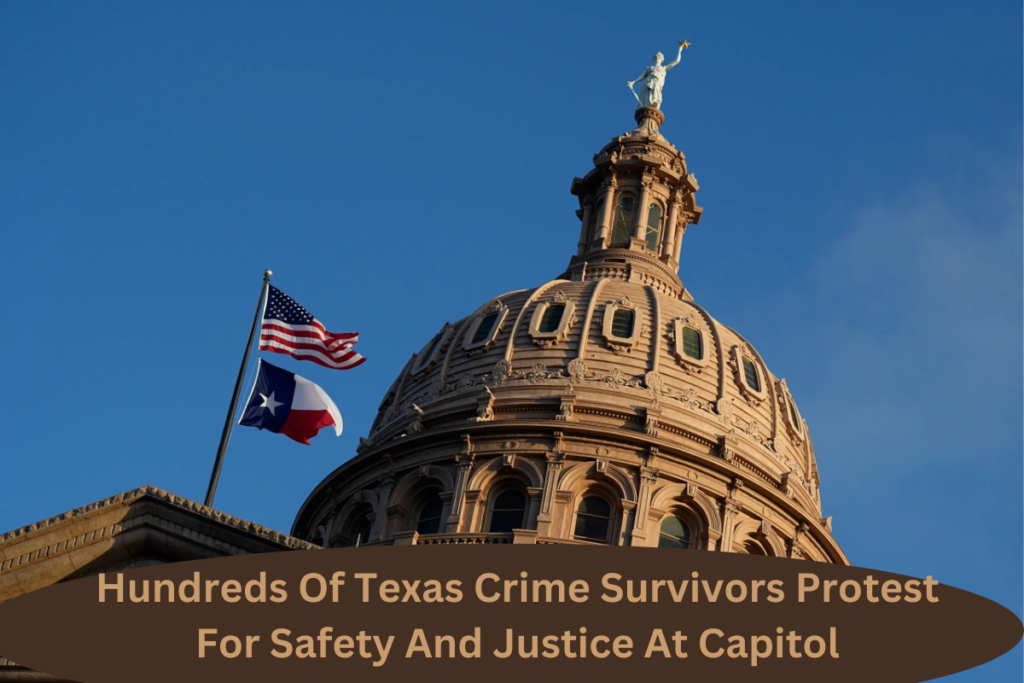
x: 603, y: 407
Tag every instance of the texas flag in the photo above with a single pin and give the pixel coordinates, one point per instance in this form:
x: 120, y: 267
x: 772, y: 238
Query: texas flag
x: 284, y: 403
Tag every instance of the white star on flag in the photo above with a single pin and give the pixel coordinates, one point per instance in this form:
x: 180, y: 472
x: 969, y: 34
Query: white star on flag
x: 269, y: 402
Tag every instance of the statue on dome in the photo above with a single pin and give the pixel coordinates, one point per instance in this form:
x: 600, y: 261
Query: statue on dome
x: 652, y: 80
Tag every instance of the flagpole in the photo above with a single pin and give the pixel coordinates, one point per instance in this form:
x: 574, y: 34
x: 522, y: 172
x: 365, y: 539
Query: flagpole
x: 234, y: 398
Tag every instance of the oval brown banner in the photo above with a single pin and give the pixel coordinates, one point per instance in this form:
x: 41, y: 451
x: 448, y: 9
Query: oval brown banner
x: 503, y: 613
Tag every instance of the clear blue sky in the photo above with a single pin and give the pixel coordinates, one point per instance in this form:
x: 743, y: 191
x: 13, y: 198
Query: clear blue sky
x: 396, y: 165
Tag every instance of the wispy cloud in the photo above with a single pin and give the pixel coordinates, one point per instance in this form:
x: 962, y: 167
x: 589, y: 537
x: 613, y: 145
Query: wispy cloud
x: 917, y: 312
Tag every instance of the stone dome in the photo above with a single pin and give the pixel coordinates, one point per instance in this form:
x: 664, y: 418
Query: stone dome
x: 604, y: 399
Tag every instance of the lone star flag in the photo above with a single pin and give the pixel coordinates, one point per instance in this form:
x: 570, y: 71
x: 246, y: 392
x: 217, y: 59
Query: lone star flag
x: 284, y: 403
x: 290, y: 329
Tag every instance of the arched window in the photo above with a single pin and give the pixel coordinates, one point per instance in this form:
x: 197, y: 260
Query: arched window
x: 623, y: 222
x: 693, y: 345
x: 427, y: 354
x: 360, y: 532
x: 429, y: 519
x: 595, y: 228
x: 483, y: 330
x: 792, y: 413
x: 551, y: 318
x: 593, y: 519
x: 675, y: 533
x: 750, y: 375
x: 508, y: 512
x: 622, y: 323
x: 653, y: 226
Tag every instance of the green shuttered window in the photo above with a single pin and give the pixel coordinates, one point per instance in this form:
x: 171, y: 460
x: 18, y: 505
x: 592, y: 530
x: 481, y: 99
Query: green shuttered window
x: 693, y: 345
x: 483, y: 332
x: 622, y: 323
x: 750, y: 375
x: 552, y: 317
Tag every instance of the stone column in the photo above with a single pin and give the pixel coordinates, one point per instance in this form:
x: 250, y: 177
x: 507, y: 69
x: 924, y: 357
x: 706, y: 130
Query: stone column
x: 533, y: 508
x: 680, y: 231
x: 668, y: 246
x: 640, y: 229
x: 730, y: 509
x: 648, y: 479
x: 380, y: 515
x: 547, y: 501
x: 465, y: 465
x: 396, y: 514
x: 610, y: 186
x: 588, y: 211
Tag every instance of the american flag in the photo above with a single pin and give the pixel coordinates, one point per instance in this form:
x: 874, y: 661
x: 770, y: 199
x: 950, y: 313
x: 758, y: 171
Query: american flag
x: 290, y: 329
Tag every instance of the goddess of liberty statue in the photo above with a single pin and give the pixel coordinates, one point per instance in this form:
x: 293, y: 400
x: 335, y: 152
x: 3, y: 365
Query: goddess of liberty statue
x: 652, y: 80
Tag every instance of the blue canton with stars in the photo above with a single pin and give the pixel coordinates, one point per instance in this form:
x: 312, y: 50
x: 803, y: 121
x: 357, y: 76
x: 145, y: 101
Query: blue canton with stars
x: 282, y: 307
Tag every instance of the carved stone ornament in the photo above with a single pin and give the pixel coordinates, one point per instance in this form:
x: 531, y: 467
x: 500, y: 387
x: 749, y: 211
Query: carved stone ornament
x: 485, y: 407
x: 651, y: 415
x: 577, y: 370
x: 416, y: 425
x: 567, y: 405
x: 654, y: 382
x: 502, y: 370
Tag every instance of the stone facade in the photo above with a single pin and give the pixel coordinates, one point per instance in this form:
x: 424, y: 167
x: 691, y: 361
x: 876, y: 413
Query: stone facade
x: 138, y: 528
x: 612, y: 406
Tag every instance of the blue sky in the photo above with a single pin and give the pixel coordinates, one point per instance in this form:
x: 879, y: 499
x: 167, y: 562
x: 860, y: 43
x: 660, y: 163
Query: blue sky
x: 860, y: 169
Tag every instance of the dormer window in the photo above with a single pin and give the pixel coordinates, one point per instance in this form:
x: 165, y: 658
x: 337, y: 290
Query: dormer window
x: 693, y: 345
x: 653, y: 226
x: 750, y: 375
x: 433, y: 347
x: 623, y: 222
x: 622, y: 323
x: 687, y: 337
x: 483, y: 330
x: 429, y: 354
x: 752, y: 385
x: 551, y: 318
x: 792, y: 416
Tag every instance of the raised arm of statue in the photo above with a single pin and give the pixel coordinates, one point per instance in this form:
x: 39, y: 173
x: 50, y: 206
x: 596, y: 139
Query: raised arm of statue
x: 678, y: 57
